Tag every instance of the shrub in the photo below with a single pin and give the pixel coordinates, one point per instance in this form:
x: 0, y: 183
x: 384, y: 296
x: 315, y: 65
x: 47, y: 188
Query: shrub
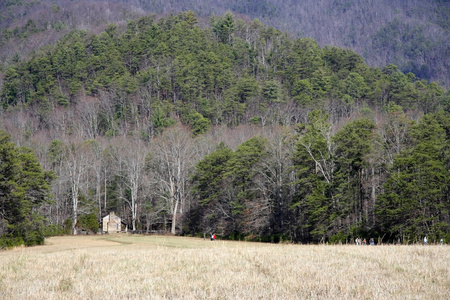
x: 338, y: 238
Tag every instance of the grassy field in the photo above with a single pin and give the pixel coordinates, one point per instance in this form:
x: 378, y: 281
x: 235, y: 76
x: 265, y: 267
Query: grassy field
x: 162, y: 267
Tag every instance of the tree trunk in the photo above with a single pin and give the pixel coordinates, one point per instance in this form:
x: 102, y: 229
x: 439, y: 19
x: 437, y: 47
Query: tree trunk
x: 174, y: 217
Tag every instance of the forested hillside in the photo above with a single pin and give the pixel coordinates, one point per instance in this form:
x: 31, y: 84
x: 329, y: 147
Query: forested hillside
x: 232, y: 127
x: 410, y: 34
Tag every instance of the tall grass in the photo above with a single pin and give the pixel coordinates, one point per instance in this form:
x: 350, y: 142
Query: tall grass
x: 159, y: 267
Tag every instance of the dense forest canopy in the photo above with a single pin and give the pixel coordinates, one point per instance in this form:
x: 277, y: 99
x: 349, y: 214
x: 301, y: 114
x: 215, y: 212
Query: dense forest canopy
x: 232, y: 127
x: 410, y: 34
x: 24, y: 188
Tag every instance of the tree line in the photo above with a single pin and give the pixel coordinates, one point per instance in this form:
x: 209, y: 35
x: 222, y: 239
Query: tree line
x: 233, y: 128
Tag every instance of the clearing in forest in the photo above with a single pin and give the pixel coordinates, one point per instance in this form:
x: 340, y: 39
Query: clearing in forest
x: 165, y: 267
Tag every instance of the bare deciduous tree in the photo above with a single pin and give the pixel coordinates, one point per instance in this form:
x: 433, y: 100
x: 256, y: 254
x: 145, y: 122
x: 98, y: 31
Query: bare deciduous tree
x: 274, y: 181
x: 78, y: 157
x: 130, y: 156
x: 173, y: 156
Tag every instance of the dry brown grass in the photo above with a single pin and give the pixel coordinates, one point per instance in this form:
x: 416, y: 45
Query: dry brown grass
x: 158, y: 267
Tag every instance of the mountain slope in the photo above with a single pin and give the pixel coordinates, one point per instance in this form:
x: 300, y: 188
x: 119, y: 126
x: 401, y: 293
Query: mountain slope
x: 410, y: 34
x: 317, y: 146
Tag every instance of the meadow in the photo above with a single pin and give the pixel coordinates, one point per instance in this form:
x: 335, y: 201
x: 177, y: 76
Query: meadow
x: 166, y: 267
